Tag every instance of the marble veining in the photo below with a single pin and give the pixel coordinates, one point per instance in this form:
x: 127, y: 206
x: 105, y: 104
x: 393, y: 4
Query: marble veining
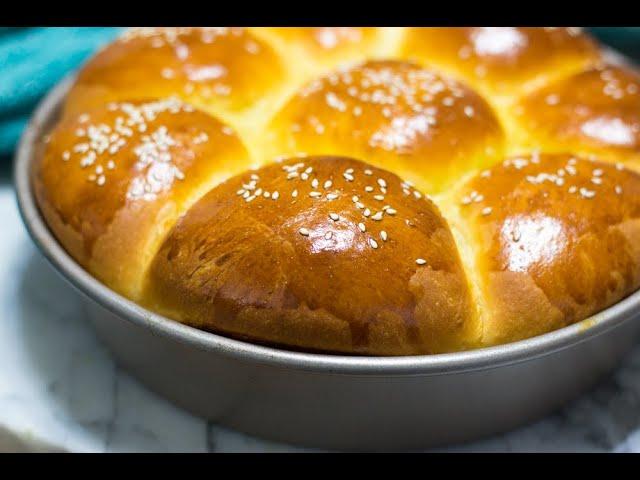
x: 60, y: 389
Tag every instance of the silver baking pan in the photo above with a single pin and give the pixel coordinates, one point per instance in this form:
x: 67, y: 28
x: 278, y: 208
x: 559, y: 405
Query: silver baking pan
x: 332, y: 401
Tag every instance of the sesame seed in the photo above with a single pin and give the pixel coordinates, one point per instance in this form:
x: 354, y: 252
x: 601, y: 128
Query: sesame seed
x: 348, y: 177
x: 304, y: 176
x: 382, y: 183
x: 334, y: 216
x: 240, y: 192
x: 250, y: 198
x: 368, y: 172
x: 328, y: 235
x: 486, y: 211
x: 327, y: 184
x: 362, y: 227
x: 366, y: 212
x: 421, y: 261
x: 379, y: 197
x: 266, y: 195
x: 368, y: 189
x: 383, y: 235
x: 332, y: 196
x: 359, y: 205
x: 391, y: 211
x: 315, y: 194
x: 292, y: 175
x: 304, y: 232
x: 355, y: 199
x: 373, y: 243
x: 315, y: 183
x: 618, y: 190
x: 294, y: 194
x: 377, y: 216
x: 585, y: 193
x: 417, y: 194
x: 275, y: 195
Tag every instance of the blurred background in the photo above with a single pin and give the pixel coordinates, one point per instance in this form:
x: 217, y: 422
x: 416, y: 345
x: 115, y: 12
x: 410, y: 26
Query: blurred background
x: 32, y: 60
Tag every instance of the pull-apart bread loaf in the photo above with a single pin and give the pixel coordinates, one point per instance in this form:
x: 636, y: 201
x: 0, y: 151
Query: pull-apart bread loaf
x: 372, y: 191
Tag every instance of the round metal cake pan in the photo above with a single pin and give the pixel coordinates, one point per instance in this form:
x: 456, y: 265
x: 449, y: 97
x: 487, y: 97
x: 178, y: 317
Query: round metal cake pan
x: 332, y: 401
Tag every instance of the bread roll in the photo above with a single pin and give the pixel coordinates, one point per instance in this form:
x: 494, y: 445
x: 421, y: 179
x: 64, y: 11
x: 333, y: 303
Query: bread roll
x: 555, y: 240
x: 596, y: 111
x: 428, y: 128
x: 302, y: 254
x: 112, y: 181
x: 501, y: 61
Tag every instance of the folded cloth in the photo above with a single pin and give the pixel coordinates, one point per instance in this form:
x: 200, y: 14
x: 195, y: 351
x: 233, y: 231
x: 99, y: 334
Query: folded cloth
x: 32, y: 60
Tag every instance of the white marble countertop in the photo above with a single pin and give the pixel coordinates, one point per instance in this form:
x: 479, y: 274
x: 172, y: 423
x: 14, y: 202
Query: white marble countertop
x: 61, y: 390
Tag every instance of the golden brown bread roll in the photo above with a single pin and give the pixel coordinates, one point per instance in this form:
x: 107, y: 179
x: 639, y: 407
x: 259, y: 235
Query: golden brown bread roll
x: 146, y: 184
x: 397, y: 115
x: 212, y: 68
x: 501, y: 60
x: 594, y: 111
x: 113, y: 180
x: 556, y: 239
x: 303, y: 254
x: 324, y: 47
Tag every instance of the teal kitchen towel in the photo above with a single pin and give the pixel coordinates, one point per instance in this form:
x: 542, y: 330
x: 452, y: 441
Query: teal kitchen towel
x: 32, y: 60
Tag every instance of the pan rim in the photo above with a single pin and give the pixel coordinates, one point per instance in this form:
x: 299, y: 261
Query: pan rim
x: 421, y: 365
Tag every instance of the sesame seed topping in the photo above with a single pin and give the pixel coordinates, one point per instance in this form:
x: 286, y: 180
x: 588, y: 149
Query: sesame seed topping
x: 382, y: 183
x: 304, y: 232
x: 585, y: 193
x: 327, y: 184
x: 391, y: 211
x: 421, y: 261
x: 379, y: 197
x: 377, y: 216
x: 328, y: 235
x: 362, y: 227
x: 275, y: 195
x: 334, y: 216
x: 294, y: 194
x: 373, y: 243
x: 332, y: 196
x: 315, y: 194
x: 368, y: 172
x: 486, y: 211
x: 368, y: 189
x: 366, y: 212
x: 383, y: 235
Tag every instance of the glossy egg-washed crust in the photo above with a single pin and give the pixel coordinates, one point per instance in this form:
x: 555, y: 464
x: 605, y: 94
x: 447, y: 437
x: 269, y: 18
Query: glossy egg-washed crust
x: 375, y: 191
